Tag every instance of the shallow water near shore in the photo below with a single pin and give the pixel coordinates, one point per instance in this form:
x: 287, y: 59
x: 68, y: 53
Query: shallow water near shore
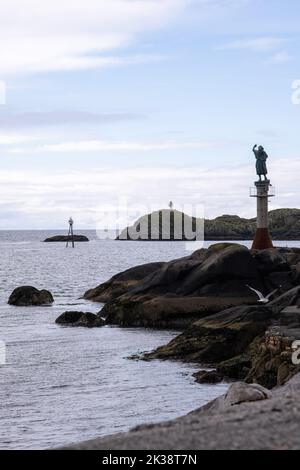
x: 62, y: 385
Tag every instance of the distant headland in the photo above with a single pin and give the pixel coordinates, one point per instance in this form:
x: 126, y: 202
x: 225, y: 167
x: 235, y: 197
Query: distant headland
x: 284, y: 224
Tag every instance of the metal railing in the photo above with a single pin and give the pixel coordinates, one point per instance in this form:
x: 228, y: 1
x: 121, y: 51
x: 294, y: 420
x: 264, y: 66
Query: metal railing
x: 254, y: 192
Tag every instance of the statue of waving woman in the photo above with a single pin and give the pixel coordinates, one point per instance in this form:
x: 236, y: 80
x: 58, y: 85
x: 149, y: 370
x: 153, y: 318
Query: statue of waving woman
x: 261, y: 159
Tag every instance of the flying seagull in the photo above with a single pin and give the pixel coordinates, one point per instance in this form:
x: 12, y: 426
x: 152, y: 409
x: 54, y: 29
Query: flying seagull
x: 263, y: 299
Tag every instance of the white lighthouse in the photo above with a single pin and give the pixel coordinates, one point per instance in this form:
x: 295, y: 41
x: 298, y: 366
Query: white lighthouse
x: 262, y: 191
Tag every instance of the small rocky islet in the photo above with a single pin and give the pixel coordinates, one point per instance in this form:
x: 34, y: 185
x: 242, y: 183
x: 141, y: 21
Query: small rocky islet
x: 207, y: 296
x: 66, y: 238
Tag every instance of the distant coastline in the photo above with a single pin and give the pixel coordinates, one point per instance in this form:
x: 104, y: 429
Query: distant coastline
x: 284, y: 225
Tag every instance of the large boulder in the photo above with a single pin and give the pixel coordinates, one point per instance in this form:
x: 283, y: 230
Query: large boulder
x: 241, y: 392
x: 208, y: 377
x: 86, y: 319
x: 234, y: 262
x: 223, y: 262
x: 121, y: 283
x: 28, y: 295
x: 222, y: 270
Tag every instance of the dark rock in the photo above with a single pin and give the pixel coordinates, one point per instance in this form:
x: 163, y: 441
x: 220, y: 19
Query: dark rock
x: 296, y: 274
x: 28, y: 295
x: 270, y: 260
x: 176, y: 293
x: 290, y: 316
x: 208, y: 377
x: 65, y: 238
x: 163, y: 312
x: 271, y: 357
x: 169, y: 277
x: 292, y: 255
x: 232, y: 288
x: 86, y: 319
x: 217, y: 337
x: 288, y: 299
x: 237, y: 367
x: 232, y: 262
x: 282, y: 279
x: 121, y: 283
x: 254, y: 344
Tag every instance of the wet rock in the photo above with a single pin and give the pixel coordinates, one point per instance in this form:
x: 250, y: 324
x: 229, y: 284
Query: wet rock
x: 163, y: 312
x: 87, y: 319
x: 237, y: 367
x: 217, y: 337
x: 208, y: 377
x: 29, y: 295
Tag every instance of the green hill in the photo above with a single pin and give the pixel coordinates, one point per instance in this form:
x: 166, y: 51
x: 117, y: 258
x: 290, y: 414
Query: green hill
x: 159, y: 225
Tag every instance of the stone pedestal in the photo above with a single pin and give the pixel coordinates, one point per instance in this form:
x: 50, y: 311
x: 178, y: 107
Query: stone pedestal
x: 262, y: 239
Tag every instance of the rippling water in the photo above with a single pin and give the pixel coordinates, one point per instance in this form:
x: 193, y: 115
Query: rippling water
x: 62, y: 385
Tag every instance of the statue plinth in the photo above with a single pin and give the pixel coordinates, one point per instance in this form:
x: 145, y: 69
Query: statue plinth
x: 262, y: 239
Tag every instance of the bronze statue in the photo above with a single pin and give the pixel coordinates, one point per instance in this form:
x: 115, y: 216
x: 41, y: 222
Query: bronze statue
x: 261, y: 159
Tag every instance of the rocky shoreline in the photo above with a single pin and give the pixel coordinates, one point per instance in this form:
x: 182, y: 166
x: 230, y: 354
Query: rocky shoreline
x: 207, y: 297
x: 247, y: 417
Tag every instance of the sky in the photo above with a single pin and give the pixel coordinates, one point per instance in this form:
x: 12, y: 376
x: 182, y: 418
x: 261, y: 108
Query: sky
x: 124, y: 105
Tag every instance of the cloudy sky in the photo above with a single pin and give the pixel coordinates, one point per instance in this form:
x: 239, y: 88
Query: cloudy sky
x: 111, y: 102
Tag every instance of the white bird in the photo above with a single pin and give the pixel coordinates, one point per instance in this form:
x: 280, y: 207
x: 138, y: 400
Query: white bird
x: 263, y: 299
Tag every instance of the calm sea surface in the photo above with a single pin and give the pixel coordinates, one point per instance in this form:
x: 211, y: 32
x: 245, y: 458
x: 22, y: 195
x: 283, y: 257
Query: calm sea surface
x: 61, y: 385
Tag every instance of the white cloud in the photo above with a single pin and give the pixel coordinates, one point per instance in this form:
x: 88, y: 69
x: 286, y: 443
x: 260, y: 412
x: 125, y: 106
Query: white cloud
x: 85, y: 63
x: 14, y: 139
x: 262, y: 44
x: 104, y: 145
x: 36, y: 199
x: 280, y: 58
x: 72, y: 34
x: 2, y: 92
